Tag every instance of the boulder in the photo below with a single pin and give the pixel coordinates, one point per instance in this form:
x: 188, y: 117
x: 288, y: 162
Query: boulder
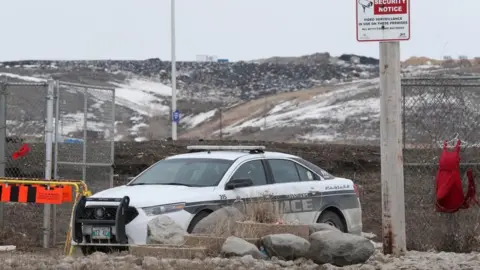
x: 286, y: 246
x: 318, y: 227
x: 237, y: 247
x: 220, y: 223
x: 340, y: 249
x: 163, y: 230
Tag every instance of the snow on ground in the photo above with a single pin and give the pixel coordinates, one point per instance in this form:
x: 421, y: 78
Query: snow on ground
x: 333, y: 106
x: 23, y: 78
x: 73, y: 122
x: 192, y: 121
x: 142, y: 96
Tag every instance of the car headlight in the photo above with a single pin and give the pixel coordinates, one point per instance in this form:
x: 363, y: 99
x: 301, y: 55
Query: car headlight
x: 162, y: 209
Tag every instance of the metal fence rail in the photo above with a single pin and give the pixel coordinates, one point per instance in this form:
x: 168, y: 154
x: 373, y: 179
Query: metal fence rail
x: 436, y: 109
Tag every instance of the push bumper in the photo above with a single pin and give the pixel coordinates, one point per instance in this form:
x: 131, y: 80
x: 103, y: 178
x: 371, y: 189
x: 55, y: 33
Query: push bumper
x: 102, y: 224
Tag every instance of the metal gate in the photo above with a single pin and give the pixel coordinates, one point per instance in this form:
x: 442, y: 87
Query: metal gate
x: 437, y: 109
x: 22, y: 121
x: 83, y: 141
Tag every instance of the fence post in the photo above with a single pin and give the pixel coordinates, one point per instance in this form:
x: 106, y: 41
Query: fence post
x: 3, y: 139
x: 55, y: 157
x: 112, y: 150
x: 85, y: 129
x: 48, y: 159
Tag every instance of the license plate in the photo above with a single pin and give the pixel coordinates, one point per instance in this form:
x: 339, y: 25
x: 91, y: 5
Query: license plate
x: 101, y: 233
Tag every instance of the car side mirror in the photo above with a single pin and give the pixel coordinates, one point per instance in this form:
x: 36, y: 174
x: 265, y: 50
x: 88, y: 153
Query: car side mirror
x: 239, y: 182
x: 130, y: 178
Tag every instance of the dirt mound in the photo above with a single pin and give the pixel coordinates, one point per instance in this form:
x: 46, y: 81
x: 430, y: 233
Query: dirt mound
x: 426, y: 229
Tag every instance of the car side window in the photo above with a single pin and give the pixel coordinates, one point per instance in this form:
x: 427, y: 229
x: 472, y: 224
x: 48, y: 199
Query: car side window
x: 305, y: 174
x: 252, y: 170
x: 284, y: 171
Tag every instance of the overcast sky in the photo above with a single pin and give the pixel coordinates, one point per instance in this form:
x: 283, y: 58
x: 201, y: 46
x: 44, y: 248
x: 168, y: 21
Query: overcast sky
x: 233, y: 29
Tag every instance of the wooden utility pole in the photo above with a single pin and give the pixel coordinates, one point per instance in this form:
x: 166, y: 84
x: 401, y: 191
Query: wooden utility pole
x: 391, y: 134
x: 388, y: 22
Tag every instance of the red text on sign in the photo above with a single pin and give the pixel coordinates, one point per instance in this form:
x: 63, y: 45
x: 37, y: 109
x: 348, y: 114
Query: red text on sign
x: 388, y: 7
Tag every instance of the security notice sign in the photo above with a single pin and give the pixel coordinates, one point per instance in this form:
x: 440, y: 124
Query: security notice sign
x: 383, y: 20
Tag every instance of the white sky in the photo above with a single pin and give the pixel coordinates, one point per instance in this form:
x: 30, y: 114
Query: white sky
x: 233, y: 29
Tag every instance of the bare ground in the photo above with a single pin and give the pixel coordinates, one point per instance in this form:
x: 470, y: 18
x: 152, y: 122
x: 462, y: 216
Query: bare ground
x: 413, y: 260
x: 426, y: 229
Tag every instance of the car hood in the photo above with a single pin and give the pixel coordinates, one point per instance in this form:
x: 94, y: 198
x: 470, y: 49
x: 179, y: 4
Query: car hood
x: 151, y: 195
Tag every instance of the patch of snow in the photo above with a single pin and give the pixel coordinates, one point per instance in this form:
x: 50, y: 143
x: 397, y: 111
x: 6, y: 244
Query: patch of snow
x: 118, y: 137
x: 136, y: 128
x: 30, y: 66
x: 141, y: 139
x: 142, y: 96
x: 150, y: 86
x: 280, y: 107
x: 194, y: 120
x: 73, y: 122
x: 136, y: 118
x: 23, y: 78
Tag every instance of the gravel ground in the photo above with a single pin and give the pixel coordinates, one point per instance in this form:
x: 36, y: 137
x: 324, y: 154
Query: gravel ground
x: 100, y: 261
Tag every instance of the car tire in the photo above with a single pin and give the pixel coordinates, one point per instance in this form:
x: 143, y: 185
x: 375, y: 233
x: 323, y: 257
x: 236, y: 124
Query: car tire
x: 196, y: 219
x: 89, y: 250
x: 333, y: 219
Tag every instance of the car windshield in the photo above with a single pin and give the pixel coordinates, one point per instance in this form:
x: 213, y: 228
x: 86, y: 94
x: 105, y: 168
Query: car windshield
x: 193, y: 172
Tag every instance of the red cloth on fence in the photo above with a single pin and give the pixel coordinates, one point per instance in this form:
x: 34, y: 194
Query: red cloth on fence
x: 23, y: 151
x: 449, y: 191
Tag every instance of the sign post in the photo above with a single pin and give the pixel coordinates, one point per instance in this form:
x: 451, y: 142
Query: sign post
x: 388, y: 22
x: 174, y: 68
x: 176, y: 117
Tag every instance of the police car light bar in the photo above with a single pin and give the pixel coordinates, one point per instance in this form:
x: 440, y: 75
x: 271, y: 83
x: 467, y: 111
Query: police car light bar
x: 226, y: 147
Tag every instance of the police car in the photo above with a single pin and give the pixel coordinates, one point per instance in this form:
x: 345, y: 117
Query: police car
x: 188, y: 187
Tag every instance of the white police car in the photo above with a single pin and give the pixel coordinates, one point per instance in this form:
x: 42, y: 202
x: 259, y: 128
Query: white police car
x: 188, y: 187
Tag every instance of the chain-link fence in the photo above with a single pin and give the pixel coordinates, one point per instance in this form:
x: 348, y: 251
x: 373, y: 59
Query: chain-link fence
x: 82, y: 124
x: 84, y: 140
x: 22, y: 150
x: 434, y: 110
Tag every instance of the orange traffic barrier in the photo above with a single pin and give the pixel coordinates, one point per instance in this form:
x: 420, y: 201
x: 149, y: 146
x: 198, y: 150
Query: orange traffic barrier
x: 67, y: 194
x: 41, y: 194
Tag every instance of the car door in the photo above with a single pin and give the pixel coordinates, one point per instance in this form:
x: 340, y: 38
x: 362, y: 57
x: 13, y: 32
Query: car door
x: 294, y: 184
x: 254, y: 170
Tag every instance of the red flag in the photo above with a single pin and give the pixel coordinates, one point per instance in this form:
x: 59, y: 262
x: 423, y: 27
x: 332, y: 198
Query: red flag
x: 24, y: 150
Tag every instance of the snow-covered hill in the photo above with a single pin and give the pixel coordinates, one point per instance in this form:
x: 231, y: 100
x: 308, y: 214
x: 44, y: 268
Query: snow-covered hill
x: 316, y: 97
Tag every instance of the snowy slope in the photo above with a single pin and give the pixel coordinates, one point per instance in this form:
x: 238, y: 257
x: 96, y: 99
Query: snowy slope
x: 310, y: 98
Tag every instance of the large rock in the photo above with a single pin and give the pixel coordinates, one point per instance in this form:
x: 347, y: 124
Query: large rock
x: 286, y: 246
x: 163, y: 230
x: 318, y: 227
x: 237, y: 247
x: 221, y: 222
x: 339, y: 248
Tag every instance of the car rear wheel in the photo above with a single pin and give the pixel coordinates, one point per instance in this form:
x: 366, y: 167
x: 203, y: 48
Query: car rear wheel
x: 196, y: 219
x: 333, y: 219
